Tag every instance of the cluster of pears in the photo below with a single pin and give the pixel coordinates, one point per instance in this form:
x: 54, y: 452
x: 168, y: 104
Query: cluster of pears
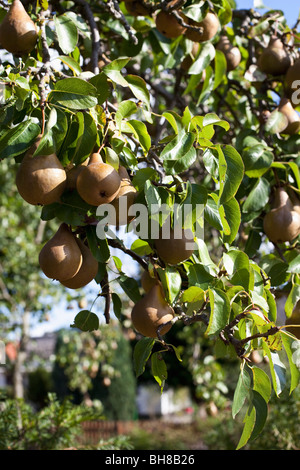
x: 276, y: 61
x: 282, y: 223
x: 205, y: 30
x: 99, y: 183
x: 152, y: 310
x: 67, y: 259
x: 18, y: 33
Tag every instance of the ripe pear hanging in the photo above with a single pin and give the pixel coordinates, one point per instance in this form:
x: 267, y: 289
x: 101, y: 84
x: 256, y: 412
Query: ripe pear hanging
x: 210, y: 26
x: 232, y: 53
x: 18, y: 33
x: 167, y: 24
x: 151, y: 311
x: 293, y: 118
x: 98, y: 183
x: 88, y: 269
x: 61, y: 258
x: 124, y: 199
x: 282, y: 223
x: 290, y: 80
x: 175, y: 250
x: 274, y: 59
x: 40, y: 180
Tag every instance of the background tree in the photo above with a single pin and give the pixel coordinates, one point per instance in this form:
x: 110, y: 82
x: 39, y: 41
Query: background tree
x: 185, y: 97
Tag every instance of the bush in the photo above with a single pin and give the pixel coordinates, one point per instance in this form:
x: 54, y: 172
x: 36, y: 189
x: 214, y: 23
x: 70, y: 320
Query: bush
x: 55, y: 427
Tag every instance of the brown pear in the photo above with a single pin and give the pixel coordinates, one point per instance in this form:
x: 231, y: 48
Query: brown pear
x: 210, y: 26
x: 88, y: 269
x: 147, y: 281
x: 61, y: 258
x: 150, y: 312
x: 124, y: 200
x: 72, y: 174
x: 274, y: 59
x: 175, y: 250
x: 294, y: 320
x: 291, y: 77
x: 232, y: 53
x: 98, y: 183
x: 40, y: 179
x: 135, y: 8
x: 293, y: 118
x: 282, y: 223
x: 295, y: 201
x: 167, y: 24
x: 18, y: 33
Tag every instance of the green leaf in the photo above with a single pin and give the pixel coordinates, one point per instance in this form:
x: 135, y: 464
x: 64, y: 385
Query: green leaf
x: 277, y: 369
x: 237, y: 266
x: 212, y: 214
x: 179, y: 154
x: 219, y: 311
x: 87, y: 137
x: 171, y: 281
x: 199, y: 276
x: 74, y: 93
x: 249, y: 423
x: 220, y: 68
x: 292, y: 299
x: 113, y: 70
x: 205, y: 57
x: 139, y: 88
x: 141, y: 247
x: 261, y: 414
x: 117, y: 305
x: 66, y: 33
x: 141, y: 133
x: 98, y: 247
x: 292, y: 349
x: 261, y: 383
x: 276, y: 122
x: 18, y: 139
x: 241, y: 392
x: 233, y: 217
x: 141, y: 354
x: 86, y: 321
x: 125, y: 109
x: 71, y: 63
x: 130, y: 287
x: 143, y: 175
x: 258, y: 196
x: 159, y: 369
x: 257, y: 159
x: 294, y: 265
x: 234, y: 173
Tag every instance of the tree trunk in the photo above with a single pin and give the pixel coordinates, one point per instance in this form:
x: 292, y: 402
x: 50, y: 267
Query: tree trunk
x: 18, y: 379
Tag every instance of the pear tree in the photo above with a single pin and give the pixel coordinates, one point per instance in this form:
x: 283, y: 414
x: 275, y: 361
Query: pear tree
x: 178, y: 121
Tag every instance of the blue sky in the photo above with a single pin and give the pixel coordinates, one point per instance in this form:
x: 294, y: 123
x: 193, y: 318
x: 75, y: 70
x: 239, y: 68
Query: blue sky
x: 290, y: 8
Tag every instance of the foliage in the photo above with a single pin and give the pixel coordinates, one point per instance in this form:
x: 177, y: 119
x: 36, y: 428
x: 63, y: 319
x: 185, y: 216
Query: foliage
x: 55, y: 427
x: 93, y: 366
x: 280, y: 433
x: 189, y: 138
